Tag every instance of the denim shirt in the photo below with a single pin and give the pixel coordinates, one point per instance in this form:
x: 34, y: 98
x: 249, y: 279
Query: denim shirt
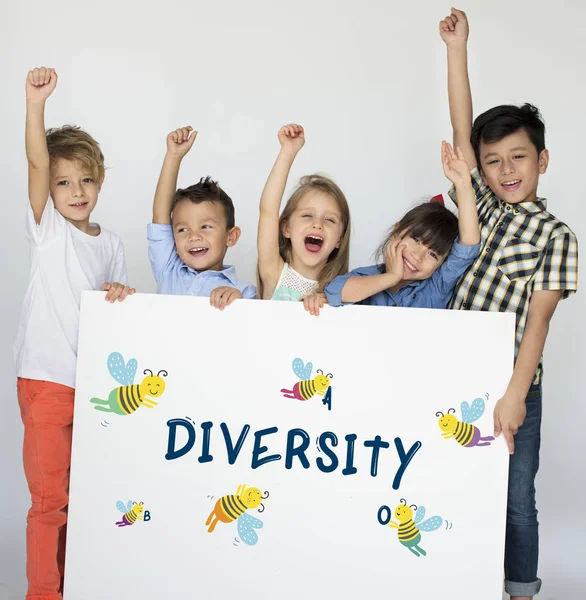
x: 174, y: 277
x: 434, y: 292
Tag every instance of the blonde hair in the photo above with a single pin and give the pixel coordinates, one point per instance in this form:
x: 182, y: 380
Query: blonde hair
x: 72, y: 143
x: 338, y: 260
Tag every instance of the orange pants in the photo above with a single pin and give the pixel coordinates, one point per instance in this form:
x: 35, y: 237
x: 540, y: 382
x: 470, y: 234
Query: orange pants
x: 47, y: 414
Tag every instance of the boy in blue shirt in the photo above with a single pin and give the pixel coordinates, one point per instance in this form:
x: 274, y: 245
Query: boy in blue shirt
x: 191, y: 231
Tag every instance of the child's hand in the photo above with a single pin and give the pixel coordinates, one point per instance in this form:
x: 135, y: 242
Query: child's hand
x: 454, y: 28
x: 180, y: 141
x: 509, y: 415
x: 456, y: 168
x: 224, y: 296
x: 313, y: 303
x: 291, y: 137
x: 394, y: 258
x: 117, y: 291
x: 40, y: 83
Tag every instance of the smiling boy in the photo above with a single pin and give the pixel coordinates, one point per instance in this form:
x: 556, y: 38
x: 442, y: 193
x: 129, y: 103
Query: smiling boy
x: 528, y: 263
x: 69, y: 254
x: 191, y: 232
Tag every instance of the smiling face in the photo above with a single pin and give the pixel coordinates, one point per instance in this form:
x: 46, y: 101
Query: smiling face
x: 74, y: 190
x: 419, y: 261
x: 201, y: 235
x: 448, y: 423
x: 152, y: 386
x: 511, y: 167
x: 321, y: 382
x: 315, y: 229
x: 403, y: 513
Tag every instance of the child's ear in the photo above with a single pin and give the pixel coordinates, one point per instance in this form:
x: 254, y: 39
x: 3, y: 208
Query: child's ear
x: 233, y: 236
x: 101, y: 183
x: 285, y: 229
x: 543, y: 161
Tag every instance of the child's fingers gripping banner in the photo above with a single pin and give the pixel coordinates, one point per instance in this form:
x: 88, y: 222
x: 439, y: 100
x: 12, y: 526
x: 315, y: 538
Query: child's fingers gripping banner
x: 260, y: 452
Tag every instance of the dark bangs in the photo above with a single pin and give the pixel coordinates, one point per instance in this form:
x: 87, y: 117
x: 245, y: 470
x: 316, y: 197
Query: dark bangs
x: 432, y: 223
x: 499, y: 122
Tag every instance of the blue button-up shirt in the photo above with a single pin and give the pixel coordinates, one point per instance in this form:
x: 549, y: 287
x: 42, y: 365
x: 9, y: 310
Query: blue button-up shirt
x: 174, y: 277
x: 434, y: 292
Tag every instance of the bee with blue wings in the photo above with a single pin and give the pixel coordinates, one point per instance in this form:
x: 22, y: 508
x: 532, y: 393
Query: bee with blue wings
x: 463, y: 431
x: 233, y: 507
x: 307, y: 388
x: 127, y: 398
x: 132, y: 512
x: 409, y: 529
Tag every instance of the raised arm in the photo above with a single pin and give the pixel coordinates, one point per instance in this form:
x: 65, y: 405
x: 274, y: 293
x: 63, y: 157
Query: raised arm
x: 454, y: 32
x: 40, y: 83
x: 457, y: 170
x: 292, y: 138
x: 179, y: 143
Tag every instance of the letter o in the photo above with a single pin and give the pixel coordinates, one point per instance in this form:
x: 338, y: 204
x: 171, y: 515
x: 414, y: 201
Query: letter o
x: 384, y: 508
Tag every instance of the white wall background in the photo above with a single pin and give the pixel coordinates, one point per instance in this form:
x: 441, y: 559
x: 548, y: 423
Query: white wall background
x: 368, y: 81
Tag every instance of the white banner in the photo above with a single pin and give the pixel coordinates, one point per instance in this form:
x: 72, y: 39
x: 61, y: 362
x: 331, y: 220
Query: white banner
x: 259, y: 452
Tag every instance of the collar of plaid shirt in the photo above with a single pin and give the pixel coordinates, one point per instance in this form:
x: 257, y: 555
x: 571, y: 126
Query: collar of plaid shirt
x: 539, y: 205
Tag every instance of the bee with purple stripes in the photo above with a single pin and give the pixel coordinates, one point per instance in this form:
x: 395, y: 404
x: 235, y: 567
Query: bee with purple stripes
x: 463, y: 431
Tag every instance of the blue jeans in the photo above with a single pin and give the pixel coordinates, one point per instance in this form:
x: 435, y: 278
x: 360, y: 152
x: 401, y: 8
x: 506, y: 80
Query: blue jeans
x: 522, y: 541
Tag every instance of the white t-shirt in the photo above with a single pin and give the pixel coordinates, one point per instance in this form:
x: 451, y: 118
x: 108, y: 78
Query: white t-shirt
x: 64, y: 262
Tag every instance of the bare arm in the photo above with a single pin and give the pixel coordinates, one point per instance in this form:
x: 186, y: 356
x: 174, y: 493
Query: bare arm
x: 40, y: 84
x: 270, y: 263
x: 541, y: 310
x: 468, y: 227
x: 510, y: 411
x: 457, y: 171
x: 179, y: 143
x: 454, y: 32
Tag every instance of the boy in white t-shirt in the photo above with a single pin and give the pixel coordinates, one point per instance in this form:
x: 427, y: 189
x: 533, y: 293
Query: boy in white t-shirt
x: 68, y: 254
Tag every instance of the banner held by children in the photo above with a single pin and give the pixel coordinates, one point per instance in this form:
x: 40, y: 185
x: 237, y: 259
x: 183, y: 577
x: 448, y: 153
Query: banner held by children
x: 261, y: 452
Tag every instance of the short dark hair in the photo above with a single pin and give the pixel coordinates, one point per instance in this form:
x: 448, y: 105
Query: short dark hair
x: 207, y: 190
x: 501, y: 121
x: 432, y: 223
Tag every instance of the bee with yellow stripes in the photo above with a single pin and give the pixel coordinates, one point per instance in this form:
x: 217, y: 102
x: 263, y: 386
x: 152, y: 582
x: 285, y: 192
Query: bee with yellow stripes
x: 463, y: 431
x: 129, y: 397
x: 307, y: 388
x: 233, y: 508
x: 409, y: 528
x: 131, y: 513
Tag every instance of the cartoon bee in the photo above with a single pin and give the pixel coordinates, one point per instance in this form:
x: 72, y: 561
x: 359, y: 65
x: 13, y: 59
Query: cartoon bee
x: 409, y: 529
x: 308, y: 388
x: 127, y: 398
x: 464, y: 433
x: 132, y: 511
x: 234, y: 506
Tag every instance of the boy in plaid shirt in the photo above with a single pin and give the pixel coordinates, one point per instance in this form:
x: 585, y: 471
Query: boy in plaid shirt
x: 527, y: 264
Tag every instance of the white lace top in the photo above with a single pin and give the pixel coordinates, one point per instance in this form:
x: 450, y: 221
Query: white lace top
x: 292, y: 286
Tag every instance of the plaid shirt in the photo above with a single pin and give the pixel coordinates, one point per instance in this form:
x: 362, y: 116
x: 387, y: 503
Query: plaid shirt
x: 524, y: 249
